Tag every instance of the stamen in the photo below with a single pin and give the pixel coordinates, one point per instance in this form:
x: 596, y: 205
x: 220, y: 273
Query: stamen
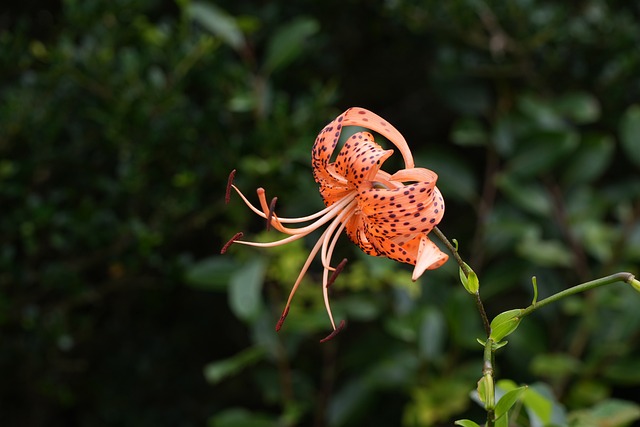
x: 272, y: 207
x: 298, y: 233
x: 325, y: 297
x: 305, y: 267
x: 335, y: 273
x: 334, y: 332
x: 227, y: 195
x: 328, y: 210
x: 230, y: 242
x: 329, y: 242
x: 282, y: 317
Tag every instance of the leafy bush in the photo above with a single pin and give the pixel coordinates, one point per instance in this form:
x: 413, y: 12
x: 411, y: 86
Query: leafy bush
x: 120, y: 122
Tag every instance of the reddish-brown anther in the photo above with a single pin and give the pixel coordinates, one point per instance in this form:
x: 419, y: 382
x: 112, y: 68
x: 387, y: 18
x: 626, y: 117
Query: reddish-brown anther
x: 272, y: 207
x: 237, y: 236
x: 335, y: 273
x: 227, y: 195
x: 334, y: 332
x: 282, y: 317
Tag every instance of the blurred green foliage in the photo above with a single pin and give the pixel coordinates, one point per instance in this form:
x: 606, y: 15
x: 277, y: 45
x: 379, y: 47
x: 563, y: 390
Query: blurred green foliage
x: 121, y: 120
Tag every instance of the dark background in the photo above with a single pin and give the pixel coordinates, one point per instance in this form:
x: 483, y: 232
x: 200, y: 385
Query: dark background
x: 121, y: 120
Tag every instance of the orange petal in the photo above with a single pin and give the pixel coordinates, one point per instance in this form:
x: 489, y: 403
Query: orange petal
x: 415, y: 208
x: 332, y: 186
x: 429, y: 257
x: 415, y: 175
x: 360, y: 159
x: 361, y: 117
x: 355, y: 230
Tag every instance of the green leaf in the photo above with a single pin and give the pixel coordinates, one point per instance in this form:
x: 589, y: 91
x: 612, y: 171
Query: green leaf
x: 539, y: 405
x: 530, y: 196
x: 446, y: 396
x: 466, y: 423
x: 360, y: 307
x: 635, y: 283
x: 485, y: 391
x: 544, y: 252
x: 630, y: 133
x: 624, y: 370
x: 218, y: 22
x: 431, y: 333
x: 506, y: 385
x: 542, y: 151
x: 217, y: 371
x: 473, y: 283
x: 590, y: 160
x: 612, y: 412
x: 541, y: 112
x: 240, y: 417
x: 463, y: 278
x: 245, y: 287
x: 211, y: 273
x: 469, y: 132
x: 288, y: 43
x: 504, y: 324
x: 455, y: 176
x: 502, y: 422
x: 508, y: 400
x: 554, y: 365
x: 580, y: 107
x: 507, y: 131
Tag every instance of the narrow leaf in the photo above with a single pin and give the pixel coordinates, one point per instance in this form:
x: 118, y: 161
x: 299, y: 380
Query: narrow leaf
x: 590, y: 160
x: 539, y: 405
x: 630, y: 133
x: 211, y: 273
x: 469, y: 132
x: 245, y: 289
x: 288, y: 43
x: 216, y: 371
x: 218, y: 22
x: 508, y: 400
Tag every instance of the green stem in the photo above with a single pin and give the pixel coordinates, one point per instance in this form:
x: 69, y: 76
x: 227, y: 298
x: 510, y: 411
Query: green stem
x: 483, y: 315
x: 617, y: 277
x: 466, y: 270
x: 487, y: 373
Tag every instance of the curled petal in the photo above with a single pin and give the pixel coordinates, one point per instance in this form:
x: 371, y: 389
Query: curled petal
x: 418, y: 251
x: 360, y: 159
x: 415, y: 175
x: 429, y: 257
x: 361, y: 117
x: 333, y: 184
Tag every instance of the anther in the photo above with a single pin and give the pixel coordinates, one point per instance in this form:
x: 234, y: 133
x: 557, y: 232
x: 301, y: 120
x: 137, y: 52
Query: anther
x: 272, y: 207
x: 227, y: 195
x: 334, y: 332
x: 337, y: 271
x: 230, y: 242
x: 282, y: 317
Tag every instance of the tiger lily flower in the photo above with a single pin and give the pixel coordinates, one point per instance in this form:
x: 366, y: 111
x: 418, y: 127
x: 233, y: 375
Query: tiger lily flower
x: 388, y: 215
